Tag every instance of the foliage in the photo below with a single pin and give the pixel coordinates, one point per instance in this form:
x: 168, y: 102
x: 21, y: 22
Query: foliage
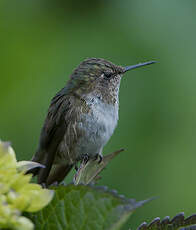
x: 17, y: 194
x: 177, y: 222
x: 74, y: 207
x: 85, y: 207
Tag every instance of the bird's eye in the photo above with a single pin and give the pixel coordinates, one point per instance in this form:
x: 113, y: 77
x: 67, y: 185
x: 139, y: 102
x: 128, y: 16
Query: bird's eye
x: 108, y: 74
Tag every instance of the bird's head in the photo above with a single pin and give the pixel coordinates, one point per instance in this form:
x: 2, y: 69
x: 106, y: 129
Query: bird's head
x: 100, y: 76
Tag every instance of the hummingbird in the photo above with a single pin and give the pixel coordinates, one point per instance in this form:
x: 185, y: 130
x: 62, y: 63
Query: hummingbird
x: 81, y: 118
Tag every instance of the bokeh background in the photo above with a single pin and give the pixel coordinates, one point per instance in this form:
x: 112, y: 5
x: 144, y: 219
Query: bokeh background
x: 41, y: 43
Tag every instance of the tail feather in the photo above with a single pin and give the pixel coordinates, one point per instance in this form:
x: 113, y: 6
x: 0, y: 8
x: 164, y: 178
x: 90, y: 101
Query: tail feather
x: 58, y: 173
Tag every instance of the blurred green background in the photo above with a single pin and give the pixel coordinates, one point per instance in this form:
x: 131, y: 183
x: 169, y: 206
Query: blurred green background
x: 42, y: 41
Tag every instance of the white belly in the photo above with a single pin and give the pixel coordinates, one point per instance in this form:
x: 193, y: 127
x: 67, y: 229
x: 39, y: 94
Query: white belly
x: 98, y: 127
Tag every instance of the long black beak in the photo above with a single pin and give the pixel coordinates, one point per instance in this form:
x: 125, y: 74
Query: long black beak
x: 127, y: 68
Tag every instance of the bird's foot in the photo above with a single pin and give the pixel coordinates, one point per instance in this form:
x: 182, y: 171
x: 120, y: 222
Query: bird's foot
x: 98, y: 157
x: 85, y: 158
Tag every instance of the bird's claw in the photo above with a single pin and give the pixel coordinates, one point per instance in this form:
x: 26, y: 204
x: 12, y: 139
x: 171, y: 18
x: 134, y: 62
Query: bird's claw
x: 85, y: 158
x: 99, y: 157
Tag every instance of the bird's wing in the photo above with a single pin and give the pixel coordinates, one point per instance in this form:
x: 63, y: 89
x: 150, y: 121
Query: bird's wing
x: 62, y: 112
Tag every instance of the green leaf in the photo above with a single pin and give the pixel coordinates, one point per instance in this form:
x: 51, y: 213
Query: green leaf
x: 85, y: 208
x: 177, y: 222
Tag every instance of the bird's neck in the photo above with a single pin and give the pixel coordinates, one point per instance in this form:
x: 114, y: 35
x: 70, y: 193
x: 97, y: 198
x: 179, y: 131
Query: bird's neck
x: 98, y: 97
